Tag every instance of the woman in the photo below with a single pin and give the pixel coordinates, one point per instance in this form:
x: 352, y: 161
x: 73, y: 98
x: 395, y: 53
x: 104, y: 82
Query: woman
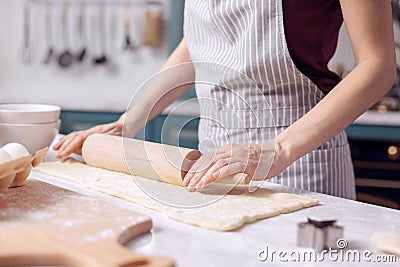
x: 283, y: 48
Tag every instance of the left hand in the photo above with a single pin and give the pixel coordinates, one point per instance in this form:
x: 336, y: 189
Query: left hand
x: 72, y: 143
x: 255, y: 160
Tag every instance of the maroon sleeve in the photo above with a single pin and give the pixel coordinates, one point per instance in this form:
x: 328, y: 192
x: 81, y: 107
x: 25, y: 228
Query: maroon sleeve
x: 311, y: 30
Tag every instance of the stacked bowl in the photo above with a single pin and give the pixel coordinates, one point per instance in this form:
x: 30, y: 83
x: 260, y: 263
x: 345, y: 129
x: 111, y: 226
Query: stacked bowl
x: 32, y: 125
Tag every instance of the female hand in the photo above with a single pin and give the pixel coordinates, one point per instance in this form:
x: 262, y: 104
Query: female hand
x: 259, y: 161
x: 72, y: 143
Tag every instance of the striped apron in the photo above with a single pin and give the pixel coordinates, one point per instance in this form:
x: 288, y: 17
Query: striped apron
x: 249, y: 90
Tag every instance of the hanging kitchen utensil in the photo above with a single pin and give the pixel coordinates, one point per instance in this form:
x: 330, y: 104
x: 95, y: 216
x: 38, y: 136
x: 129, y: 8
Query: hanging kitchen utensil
x: 102, y: 59
x: 396, y: 10
x: 92, y: 44
x: 81, y: 28
x: 66, y: 57
x: 152, y: 25
x: 128, y: 42
x: 112, y: 26
x: 49, y: 38
x: 26, y: 50
x: 113, y: 33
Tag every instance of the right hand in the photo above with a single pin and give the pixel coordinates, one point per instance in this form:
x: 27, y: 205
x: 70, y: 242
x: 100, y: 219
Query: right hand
x: 72, y: 143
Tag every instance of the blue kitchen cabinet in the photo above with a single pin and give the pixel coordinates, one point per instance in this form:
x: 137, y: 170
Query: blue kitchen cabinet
x: 80, y: 120
x: 172, y: 130
x: 169, y: 132
x: 373, y: 132
x: 375, y: 151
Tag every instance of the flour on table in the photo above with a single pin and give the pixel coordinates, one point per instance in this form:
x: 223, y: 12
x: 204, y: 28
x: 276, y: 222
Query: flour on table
x: 223, y: 213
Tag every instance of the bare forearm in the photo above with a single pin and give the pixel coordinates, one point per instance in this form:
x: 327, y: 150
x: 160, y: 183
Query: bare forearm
x: 368, y: 82
x: 369, y: 25
x: 174, y: 79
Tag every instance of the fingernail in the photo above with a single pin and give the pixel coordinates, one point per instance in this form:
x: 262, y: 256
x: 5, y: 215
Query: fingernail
x: 185, y: 180
x: 191, y: 188
x: 199, y: 185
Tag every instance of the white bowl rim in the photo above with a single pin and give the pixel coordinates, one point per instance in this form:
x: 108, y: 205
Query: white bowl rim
x: 31, y: 124
x: 31, y: 107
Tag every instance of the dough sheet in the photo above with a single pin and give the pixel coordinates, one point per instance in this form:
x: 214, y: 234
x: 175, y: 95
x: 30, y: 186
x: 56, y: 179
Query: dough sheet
x: 211, y: 208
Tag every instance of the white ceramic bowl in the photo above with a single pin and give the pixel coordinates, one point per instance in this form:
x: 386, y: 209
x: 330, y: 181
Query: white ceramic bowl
x: 29, y: 113
x: 33, y: 136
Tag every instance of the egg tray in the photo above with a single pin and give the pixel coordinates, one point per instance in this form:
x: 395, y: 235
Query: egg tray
x: 15, y: 172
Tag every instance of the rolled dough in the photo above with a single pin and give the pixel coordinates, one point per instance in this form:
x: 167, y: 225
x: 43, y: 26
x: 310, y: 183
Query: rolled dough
x: 206, y: 209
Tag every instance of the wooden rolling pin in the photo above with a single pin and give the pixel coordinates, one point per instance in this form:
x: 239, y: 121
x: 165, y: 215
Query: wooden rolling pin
x: 147, y: 159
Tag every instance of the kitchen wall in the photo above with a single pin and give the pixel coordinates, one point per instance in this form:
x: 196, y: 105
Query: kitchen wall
x: 85, y: 86
x: 82, y: 86
x: 344, y: 53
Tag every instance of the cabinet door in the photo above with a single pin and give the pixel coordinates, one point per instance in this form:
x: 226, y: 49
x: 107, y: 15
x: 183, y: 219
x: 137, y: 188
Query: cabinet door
x: 173, y: 130
x: 79, y: 120
x: 375, y: 150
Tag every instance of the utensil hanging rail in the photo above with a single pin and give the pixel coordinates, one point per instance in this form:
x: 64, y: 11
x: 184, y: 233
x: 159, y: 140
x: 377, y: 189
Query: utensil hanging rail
x: 100, y: 3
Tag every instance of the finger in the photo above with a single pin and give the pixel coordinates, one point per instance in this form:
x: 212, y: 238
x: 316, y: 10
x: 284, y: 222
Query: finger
x: 191, y: 175
x: 58, y: 145
x: 208, y: 177
x: 211, y: 176
x: 192, y: 171
x: 201, y: 167
x: 231, y: 161
x: 63, y: 140
x: 196, y: 177
x: 69, y: 146
x: 232, y: 169
x: 194, y: 180
x: 74, y: 146
x: 62, y: 146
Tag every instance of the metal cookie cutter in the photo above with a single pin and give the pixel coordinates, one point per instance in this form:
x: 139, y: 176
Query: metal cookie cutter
x: 319, y: 234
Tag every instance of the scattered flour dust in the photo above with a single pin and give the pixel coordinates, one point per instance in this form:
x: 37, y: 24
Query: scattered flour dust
x: 63, y: 212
